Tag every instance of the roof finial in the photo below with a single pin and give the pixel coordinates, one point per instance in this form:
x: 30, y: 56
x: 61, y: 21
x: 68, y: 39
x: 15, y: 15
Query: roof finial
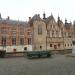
x: 65, y: 20
x: 18, y: 19
x: 44, y: 15
x: 58, y: 18
x: 51, y: 14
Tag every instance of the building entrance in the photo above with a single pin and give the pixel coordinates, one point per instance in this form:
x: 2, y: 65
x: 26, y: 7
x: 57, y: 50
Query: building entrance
x: 55, y: 46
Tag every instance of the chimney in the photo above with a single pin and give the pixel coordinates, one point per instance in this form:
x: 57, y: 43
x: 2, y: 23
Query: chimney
x: 38, y: 15
x: 8, y: 18
x: 29, y: 18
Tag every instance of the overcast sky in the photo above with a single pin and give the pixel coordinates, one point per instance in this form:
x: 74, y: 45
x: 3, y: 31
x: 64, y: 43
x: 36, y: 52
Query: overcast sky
x: 22, y: 9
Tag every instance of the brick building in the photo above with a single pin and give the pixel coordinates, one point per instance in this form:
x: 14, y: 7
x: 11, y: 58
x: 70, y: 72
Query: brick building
x: 15, y: 36
x: 36, y: 34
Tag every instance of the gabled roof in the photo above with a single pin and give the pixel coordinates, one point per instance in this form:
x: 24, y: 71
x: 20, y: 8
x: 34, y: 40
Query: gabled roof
x: 50, y: 18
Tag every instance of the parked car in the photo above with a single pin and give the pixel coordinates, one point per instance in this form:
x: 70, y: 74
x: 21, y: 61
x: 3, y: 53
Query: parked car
x: 38, y: 54
x: 2, y: 53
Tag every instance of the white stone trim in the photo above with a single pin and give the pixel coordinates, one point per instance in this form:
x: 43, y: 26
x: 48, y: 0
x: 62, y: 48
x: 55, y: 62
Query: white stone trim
x: 18, y: 48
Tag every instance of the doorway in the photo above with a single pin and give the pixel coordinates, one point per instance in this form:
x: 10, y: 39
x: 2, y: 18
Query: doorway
x: 55, y: 46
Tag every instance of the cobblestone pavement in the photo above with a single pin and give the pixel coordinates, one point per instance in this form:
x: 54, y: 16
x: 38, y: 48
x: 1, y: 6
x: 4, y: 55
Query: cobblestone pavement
x: 56, y: 65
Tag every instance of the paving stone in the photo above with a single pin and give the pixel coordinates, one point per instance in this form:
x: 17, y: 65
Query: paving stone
x: 57, y: 65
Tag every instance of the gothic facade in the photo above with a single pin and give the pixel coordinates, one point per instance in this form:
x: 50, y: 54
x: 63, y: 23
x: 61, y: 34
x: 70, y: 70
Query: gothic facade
x: 51, y: 35
x: 36, y: 34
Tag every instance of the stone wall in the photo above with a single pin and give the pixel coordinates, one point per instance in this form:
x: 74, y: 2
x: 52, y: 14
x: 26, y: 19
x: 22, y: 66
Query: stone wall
x: 39, y: 40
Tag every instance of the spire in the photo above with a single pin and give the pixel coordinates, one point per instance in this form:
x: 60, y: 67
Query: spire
x: 0, y: 16
x: 65, y: 20
x: 58, y: 18
x: 51, y: 14
x: 8, y: 18
x: 44, y: 15
x: 74, y: 24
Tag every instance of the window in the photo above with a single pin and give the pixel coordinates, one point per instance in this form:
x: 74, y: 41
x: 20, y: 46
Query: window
x: 4, y: 30
x: 29, y: 41
x: 52, y: 33
x: 25, y: 48
x: 48, y: 33
x: 57, y: 34
x: 54, y: 26
x: 50, y: 45
x: 40, y: 47
x: 21, y: 29
x: 29, y: 33
x: 13, y: 31
x: 3, y: 41
x: 65, y: 45
x: 14, y: 41
x: 14, y: 50
x: 62, y: 34
x: 21, y: 32
x: 71, y: 44
x: 58, y: 45
x: 39, y: 30
x: 65, y: 34
x: 21, y: 41
x: 51, y: 26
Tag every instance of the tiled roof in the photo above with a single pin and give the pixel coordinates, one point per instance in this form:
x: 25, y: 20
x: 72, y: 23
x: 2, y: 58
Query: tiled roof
x: 13, y: 22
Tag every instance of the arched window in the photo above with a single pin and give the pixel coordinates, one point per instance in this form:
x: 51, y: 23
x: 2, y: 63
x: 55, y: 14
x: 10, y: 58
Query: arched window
x: 52, y: 33
x: 57, y: 34
x: 40, y: 30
